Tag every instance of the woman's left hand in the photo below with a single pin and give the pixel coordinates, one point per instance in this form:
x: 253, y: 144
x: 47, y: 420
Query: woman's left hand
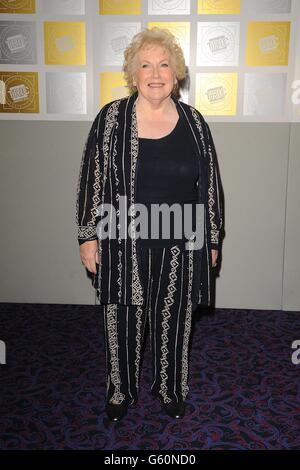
x: 214, y: 256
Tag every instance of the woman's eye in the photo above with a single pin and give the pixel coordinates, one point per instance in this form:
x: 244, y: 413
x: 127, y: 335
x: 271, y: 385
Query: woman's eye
x: 165, y: 65
x: 144, y: 65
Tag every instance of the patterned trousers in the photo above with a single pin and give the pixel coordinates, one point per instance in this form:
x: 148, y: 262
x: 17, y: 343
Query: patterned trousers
x: 167, y: 277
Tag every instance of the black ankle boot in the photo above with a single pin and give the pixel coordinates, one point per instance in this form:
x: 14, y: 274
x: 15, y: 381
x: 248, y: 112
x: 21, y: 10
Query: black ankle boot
x: 116, y: 412
x: 175, y: 410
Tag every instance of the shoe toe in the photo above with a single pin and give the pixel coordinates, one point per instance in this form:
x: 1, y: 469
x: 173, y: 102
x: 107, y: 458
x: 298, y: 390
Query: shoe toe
x: 116, y: 412
x: 175, y: 411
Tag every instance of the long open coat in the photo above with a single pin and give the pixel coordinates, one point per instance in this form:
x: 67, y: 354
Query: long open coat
x: 109, y: 170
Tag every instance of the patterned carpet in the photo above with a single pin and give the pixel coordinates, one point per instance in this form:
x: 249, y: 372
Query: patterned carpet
x: 244, y: 388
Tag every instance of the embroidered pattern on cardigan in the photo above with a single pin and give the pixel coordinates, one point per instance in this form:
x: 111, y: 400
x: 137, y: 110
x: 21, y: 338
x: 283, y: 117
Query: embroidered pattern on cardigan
x: 211, y: 189
x: 110, y: 122
x: 137, y: 290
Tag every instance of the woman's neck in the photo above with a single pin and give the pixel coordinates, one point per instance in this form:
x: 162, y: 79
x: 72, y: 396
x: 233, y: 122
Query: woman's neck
x: 159, y: 108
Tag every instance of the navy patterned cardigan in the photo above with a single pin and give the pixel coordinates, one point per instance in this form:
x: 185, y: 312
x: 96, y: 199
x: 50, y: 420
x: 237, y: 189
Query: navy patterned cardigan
x: 109, y: 169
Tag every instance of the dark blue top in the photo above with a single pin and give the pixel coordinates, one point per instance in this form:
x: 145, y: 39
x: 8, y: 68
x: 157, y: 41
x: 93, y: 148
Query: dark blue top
x: 167, y: 173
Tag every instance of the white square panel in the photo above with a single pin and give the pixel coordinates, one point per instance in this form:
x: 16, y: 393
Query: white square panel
x: 269, y: 6
x: 218, y: 43
x: 64, y: 7
x: 112, y: 39
x: 168, y: 7
x: 184, y: 96
x: 264, y: 94
x: 18, y: 42
x: 66, y: 93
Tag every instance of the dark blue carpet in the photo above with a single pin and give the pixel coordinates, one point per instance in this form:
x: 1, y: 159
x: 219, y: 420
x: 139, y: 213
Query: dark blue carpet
x: 244, y: 388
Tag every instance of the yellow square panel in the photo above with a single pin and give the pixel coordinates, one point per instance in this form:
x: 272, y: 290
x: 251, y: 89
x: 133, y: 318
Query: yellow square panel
x: 181, y: 30
x: 112, y: 87
x: 17, y: 6
x: 120, y: 7
x: 216, y: 93
x: 219, y: 7
x: 19, y: 92
x: 268, y: 43
x: 64, y: 43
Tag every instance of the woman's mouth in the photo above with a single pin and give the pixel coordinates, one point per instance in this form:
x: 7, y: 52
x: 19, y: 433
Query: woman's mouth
x: 155, y: 85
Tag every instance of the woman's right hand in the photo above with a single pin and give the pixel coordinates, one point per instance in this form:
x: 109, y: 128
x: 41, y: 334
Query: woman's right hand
x: 89, y: 255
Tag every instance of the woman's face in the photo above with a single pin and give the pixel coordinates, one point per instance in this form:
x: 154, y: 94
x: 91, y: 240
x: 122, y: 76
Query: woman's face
x: 154, y: 74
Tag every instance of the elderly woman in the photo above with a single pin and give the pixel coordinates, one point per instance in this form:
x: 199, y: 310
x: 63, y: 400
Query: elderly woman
x: 149, y: 149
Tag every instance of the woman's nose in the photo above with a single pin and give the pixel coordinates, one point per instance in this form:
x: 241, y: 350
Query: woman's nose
x: 155, y: 72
